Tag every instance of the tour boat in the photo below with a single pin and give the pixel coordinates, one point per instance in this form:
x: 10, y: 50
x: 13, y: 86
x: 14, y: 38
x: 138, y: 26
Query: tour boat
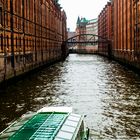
x: 49, y: 123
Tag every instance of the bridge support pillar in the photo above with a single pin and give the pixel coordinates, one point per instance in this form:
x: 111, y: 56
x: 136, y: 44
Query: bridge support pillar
x: 64, y: 50
x: 109, y: 50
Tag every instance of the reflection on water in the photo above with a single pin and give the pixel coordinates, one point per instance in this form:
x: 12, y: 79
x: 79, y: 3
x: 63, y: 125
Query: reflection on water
x: 105, y: 91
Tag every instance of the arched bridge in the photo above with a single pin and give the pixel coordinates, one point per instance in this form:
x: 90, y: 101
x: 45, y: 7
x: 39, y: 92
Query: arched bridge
x: 86, y: 39
x: 84, y: 42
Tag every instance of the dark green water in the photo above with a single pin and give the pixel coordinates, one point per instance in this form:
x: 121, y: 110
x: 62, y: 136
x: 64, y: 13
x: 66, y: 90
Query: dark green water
x: 105, y: 91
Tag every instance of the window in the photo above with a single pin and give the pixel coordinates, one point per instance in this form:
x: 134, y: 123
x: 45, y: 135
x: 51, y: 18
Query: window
x: 1, y: 43
x: 1, y: 15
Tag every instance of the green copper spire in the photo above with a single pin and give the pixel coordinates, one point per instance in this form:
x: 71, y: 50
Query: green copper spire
x: 78, y: 21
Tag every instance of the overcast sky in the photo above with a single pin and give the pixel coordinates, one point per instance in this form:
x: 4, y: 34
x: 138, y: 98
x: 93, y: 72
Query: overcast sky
x: 82, y: 8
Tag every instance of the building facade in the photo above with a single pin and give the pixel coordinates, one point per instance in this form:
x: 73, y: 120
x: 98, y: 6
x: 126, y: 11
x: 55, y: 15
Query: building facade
x: 119, y: 22
x: 31, y: 35
x: 81, y: 26
x: 105, y: 28
x: 136, y: 4
x: 126, y: 46
x: 90, y: 27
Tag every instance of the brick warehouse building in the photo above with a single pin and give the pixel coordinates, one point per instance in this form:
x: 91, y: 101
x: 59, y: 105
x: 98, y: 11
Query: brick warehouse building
x: 126, y: 47
x: 90, y: 27
x: 105, y: 27
x: 31, y: 35
x: 119, y: 22
x: 136, y: 4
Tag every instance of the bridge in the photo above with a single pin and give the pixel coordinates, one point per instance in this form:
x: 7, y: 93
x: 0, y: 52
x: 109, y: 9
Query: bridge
x: 87, y: 39
x: 86, y: 42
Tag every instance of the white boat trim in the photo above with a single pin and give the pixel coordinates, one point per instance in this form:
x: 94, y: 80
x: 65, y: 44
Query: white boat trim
x: 56, y: 109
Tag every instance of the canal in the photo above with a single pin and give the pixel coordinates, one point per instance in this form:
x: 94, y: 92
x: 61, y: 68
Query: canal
x: 108, y: 93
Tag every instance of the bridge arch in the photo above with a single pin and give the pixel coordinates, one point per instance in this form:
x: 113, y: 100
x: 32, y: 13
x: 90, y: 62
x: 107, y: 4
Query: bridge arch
x: 86, y: 41
x: 87, y: 38
x: 92, y: 35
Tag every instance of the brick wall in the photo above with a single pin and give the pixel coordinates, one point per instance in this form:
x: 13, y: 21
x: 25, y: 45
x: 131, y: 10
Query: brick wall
x: 105, y: 27
x: 31, y: 34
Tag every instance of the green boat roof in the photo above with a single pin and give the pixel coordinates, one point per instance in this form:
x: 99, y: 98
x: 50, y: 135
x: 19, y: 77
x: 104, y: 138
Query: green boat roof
x: 41, y: 126
x: 45, y: 126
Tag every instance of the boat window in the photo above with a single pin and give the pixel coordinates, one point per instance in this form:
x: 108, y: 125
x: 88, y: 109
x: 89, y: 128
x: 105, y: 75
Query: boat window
x: 74, y: 118
x: 71, y: 123
x: 65, y: 135
x: 68, y: 128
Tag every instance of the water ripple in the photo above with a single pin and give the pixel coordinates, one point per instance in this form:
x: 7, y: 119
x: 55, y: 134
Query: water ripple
x: 108, y: 93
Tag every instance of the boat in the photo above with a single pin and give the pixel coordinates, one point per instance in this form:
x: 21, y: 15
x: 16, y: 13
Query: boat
x: 48, y: 123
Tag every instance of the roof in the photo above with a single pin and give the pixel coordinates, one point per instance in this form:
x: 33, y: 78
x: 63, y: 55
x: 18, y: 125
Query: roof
x: 41, y: 126
x: 45, y: 125
x: 83, y: 21
x: 70, y: 128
